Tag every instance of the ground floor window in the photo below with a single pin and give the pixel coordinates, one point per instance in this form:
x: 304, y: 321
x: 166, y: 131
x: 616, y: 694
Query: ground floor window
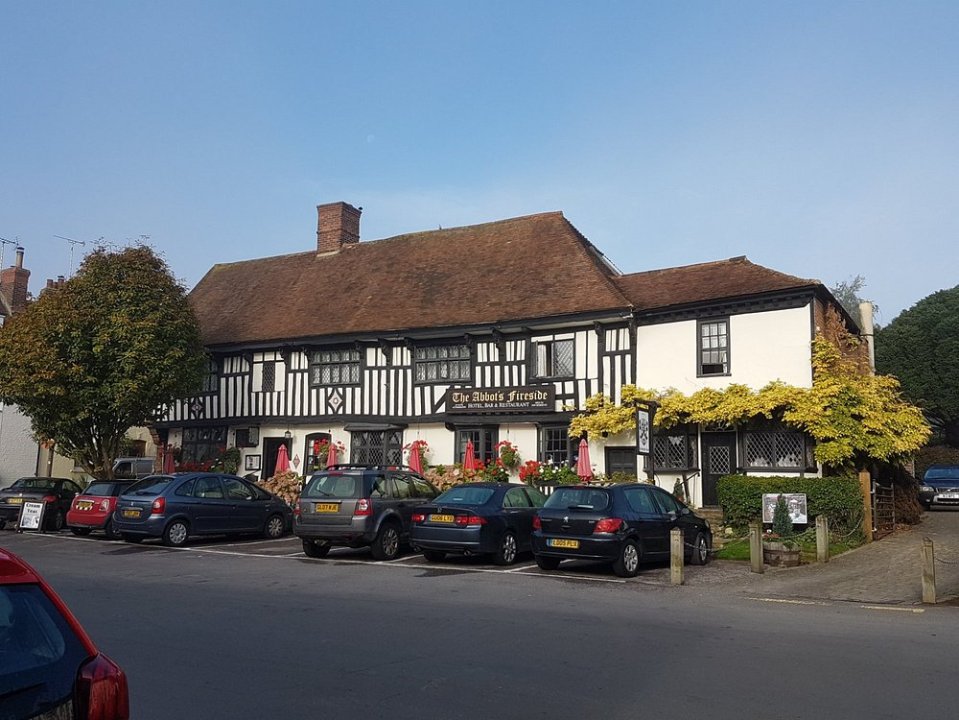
x: 484, y: 441
x: 201, y: 445
x: 555, y: 447
x: 621, y: 461
x: 376, y: 447
x: 675, y: 449
x: 776, y: 448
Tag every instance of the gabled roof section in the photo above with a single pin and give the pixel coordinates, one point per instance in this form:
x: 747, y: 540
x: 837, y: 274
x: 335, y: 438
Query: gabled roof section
x: 538, y: 266
x: 705, y: 282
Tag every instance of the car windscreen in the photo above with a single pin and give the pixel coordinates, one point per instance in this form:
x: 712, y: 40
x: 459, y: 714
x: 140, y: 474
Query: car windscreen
x: 578, y: 498
x: 153, y: 485
x: 943, y: 473
x: 465, y: 495
x: 39, y: 654
x: 335, y: 484
x: 33, y: 485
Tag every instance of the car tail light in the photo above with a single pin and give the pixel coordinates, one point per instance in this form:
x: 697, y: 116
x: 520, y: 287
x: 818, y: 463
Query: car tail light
x: 418, y: 517
x: 363, y: 507
x: 49, y: 498
x: 104, y: 505
x: 464, y: 520
x: 101, y: 691
x: 537, y: 523
x: 608, y: 525
x: 296, y: 511
x: 158, y: 507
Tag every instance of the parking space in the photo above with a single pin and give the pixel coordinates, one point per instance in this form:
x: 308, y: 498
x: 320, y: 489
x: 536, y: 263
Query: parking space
x: 289, y: 548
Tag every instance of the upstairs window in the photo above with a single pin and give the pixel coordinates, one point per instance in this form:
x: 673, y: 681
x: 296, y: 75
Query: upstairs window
x: 211, y: 378
x: 713, y: 347
x: 553, y: 359
x: 269, y: 376
x: 335, y: 367
x: 442, y: 363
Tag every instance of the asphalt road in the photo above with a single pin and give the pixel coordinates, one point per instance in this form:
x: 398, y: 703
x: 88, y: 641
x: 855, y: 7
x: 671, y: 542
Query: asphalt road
x: 256, y: 630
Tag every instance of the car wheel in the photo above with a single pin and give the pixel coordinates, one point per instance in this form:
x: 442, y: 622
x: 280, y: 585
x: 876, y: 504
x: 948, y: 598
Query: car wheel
x: 316, y: 548
x: 434, y: 555
x: 176, y: 533
x: 58, y: 522
x: 548, y: 563
x: 506, y: 554
x: 700, y: 554
x: 111, y: 531
x: 626, y: 564
x: 275, y: 527
x: 135, y: 539
x: 80, y: 531
x: 386, y: 546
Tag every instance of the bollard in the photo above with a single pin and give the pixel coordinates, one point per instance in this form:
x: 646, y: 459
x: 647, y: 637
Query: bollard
x: 822, y: 538
x: 865, y: 486
x: 928, y: 572
x: 676, y: 555
x: 756, y: 548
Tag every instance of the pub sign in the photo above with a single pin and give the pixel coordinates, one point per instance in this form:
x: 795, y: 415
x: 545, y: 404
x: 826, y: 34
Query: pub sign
x: 530, y: 398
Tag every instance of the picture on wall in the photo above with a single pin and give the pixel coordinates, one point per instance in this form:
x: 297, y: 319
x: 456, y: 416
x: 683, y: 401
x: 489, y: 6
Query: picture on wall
x: 252, y: 462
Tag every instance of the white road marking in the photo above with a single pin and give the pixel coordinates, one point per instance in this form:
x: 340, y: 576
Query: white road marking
x: 789, y: 602
x: 916, y: 611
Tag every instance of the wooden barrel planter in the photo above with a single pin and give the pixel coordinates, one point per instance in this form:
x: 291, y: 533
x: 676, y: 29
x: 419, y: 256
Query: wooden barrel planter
x: 781, y: 554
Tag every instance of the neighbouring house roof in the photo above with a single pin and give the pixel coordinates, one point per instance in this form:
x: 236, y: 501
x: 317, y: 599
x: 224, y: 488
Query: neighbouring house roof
x: 705, y: 282
x: 525, y: 268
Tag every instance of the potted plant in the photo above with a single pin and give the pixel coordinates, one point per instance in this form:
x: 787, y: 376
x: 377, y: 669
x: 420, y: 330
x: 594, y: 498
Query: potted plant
x: 779, y: 549
x: 508, y: 455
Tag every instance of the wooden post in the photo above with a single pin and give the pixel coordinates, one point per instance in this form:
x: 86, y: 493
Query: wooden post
x: 676, y: 556
x: 756, y: 547
x: 928, y: 572
x: 865, y: 484
x: 822, y: 538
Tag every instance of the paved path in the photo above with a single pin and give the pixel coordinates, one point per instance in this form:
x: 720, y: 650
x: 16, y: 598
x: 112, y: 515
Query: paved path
x: 884, y: 572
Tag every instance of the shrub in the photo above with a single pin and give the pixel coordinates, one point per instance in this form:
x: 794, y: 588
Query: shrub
x: 286, y: 485
x: 838, y: 498
x: 782, y: 523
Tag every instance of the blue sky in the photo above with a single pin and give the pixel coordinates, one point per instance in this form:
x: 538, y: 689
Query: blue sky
x: 817, y: 138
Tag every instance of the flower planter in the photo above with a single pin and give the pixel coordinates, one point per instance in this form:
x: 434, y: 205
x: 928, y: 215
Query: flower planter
x: 780, y: 554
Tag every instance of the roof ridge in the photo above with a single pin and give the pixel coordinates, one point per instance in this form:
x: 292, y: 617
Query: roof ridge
x: 504, y: 221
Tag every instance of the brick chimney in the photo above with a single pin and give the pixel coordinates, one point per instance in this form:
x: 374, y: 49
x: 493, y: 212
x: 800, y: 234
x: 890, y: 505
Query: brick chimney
x: 337, y: 224
x: 13, y: 283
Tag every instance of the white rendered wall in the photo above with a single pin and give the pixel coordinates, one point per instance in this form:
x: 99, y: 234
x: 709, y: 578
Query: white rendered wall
x: 763, y: 346
x: 18, y: 450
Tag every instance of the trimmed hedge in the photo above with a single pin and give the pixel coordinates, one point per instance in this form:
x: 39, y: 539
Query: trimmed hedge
x: 838, y: 498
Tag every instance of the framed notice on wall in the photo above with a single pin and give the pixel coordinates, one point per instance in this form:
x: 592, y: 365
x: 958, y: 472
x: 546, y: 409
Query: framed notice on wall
x: 31, y: 516
x: 252, y: 462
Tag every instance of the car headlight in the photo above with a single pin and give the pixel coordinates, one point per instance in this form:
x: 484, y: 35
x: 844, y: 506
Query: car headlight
x: 926, y: 488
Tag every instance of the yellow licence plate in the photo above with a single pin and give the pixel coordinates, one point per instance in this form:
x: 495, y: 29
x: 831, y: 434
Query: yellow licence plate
x: 131, y: 513
x: 327, y: 507
x: 84, y: 505
x: 559, y: 543
x: 15, y: 501
x: 441, y: 518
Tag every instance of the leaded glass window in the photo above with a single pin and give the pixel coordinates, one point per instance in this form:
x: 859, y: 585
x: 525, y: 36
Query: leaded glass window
x: 779, y: 449
x: 554, y: 359
x: 442, y: 363
x: 376, y: 447
x: 675, y: 449
x: 211, y: 379
x: 335, y: 367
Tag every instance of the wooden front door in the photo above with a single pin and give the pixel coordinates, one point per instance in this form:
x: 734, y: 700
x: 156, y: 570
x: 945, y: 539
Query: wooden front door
x: 718, y: 459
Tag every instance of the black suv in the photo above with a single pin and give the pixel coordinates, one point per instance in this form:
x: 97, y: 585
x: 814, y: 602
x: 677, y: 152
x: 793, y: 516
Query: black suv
x: 359, y: 505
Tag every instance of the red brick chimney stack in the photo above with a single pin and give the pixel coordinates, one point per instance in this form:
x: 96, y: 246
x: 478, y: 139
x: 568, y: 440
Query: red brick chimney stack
x: 337, y: 224
x: 13, y: 283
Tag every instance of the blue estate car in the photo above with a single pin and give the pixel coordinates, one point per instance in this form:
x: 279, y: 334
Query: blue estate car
x: 175, y: 507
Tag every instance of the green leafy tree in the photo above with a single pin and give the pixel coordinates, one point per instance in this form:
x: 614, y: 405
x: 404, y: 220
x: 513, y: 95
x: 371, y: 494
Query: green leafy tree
x: 103, y: 353
x: 921, y: 348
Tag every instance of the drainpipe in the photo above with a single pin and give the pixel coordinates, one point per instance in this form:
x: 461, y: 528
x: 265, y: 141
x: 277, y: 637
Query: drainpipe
x: 868, y: 332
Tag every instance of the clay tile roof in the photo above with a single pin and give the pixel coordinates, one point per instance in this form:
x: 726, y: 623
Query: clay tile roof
x: 689, y: 284
x: 519, y: 269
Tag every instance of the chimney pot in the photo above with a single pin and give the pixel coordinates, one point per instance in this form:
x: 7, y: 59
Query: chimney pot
x: 19, y: 257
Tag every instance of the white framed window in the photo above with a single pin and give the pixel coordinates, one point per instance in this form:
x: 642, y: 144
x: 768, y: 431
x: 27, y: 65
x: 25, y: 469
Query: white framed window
x: 713, y: 347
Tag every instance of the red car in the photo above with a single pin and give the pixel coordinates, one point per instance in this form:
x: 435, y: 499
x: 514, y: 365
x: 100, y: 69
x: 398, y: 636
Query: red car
x: 93, y: 508
x: 49, y: 667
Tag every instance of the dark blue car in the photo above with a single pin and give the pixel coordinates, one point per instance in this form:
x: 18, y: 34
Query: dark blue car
x: 477, y: 518
x: 176, y: 507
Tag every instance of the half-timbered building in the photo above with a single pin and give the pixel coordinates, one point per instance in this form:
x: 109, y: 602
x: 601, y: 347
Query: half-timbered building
x: 484, y: 333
